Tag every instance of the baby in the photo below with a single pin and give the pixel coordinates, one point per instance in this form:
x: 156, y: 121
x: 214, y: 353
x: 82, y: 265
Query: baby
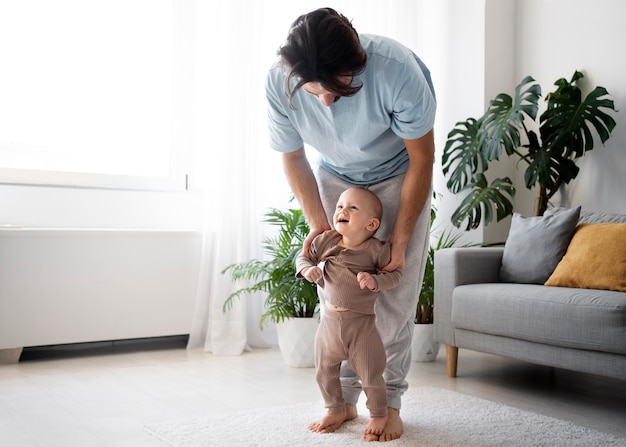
x: 351, y: 278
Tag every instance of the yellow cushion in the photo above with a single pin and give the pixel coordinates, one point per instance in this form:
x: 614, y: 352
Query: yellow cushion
x: 595, y: 258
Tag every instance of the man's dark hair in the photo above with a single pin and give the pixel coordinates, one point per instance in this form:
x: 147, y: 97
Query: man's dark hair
x: 322, y: 46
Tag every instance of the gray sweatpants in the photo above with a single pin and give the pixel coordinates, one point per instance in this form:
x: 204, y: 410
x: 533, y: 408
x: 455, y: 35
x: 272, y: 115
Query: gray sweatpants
x: 395, y: 308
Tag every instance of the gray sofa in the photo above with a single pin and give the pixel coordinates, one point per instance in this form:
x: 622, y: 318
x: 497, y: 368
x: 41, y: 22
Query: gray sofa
x: 483, y: 304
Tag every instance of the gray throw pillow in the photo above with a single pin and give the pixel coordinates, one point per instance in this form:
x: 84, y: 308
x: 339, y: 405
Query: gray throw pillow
x: 535, y: 245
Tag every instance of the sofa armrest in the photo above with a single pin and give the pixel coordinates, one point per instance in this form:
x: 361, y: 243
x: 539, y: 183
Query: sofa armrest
x: 459, y: 266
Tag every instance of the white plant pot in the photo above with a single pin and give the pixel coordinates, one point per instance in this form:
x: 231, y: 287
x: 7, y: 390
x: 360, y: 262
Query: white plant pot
x: 423, y: 348
x: 296, y: 340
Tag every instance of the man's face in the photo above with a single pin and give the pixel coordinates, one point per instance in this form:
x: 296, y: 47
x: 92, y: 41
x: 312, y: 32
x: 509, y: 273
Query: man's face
x: 316, y: 89
x: 326, y: 97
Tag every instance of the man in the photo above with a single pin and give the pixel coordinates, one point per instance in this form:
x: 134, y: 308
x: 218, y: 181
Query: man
x: 367, y: 105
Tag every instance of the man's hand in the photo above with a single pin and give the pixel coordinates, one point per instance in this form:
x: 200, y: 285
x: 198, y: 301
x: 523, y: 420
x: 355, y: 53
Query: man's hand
x: 309, y: 239
x: 397, y: 258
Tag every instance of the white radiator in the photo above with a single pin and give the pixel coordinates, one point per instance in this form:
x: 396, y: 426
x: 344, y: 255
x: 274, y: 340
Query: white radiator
x: 81, y: 285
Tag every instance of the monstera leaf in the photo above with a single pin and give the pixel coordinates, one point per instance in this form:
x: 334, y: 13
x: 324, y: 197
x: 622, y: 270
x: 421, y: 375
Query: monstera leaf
x: 549, y: 170
x: 503, y: 120
x: 484, y: 198
x: 566, y: 126
x: 462, y: 156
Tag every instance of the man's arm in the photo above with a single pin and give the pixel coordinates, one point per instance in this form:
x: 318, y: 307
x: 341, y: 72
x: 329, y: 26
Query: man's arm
x: 415, y: 190
x: 304, y: 186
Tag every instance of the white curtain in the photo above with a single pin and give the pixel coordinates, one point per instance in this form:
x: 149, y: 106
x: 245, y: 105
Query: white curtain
x: 235, y: 44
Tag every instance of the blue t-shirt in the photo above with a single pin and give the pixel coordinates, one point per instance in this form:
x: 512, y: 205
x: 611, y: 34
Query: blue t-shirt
x: 360, y: 137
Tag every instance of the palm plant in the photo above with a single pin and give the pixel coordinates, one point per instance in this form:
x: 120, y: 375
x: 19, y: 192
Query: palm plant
x: 287, y: 296
x: 565, y: 133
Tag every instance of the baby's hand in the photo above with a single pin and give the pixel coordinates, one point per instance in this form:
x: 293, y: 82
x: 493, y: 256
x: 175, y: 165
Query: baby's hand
x: 366, y: 280
x: 312, y: 274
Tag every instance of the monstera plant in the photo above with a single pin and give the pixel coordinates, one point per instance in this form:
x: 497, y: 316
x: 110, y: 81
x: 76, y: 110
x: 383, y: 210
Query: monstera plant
x: 565, y: 132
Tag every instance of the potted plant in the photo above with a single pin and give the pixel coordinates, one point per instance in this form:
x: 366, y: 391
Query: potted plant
x: 424, y: 349
x: 290, y: 303
x: 565, y: 133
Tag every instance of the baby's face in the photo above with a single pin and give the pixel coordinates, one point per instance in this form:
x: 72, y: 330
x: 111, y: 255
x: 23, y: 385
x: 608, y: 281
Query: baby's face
x: 354, y: 213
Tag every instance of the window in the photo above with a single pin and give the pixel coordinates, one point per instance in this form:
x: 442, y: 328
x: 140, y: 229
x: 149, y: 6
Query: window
x: 94, y: 93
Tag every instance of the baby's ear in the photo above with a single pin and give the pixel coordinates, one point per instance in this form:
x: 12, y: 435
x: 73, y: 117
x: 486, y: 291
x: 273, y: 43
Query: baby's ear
x: 373, y: 224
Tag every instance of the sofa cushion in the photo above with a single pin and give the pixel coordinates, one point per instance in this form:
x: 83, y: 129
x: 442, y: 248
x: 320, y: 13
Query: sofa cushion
x: 598, y: 217
x: 588, y: 319
x: 535, y: 245
x: 595, y: 258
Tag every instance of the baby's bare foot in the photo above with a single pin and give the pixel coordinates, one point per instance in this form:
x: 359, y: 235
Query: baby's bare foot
x: 393, y: 427
x: 331, y: 422
x: 374, y: 428
x: 370, y: 437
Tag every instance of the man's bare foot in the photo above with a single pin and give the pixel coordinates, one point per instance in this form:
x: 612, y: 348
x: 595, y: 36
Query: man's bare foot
x: 331, y: 422
x: 393, y: 427
x: 351, y: 412
x: 374, y: 428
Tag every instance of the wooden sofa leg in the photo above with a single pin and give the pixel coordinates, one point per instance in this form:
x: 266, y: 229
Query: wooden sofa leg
x: 10, y: 355
x: 452, y: 356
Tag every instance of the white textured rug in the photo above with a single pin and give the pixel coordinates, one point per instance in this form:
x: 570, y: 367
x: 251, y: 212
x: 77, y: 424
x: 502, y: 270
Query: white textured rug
x: 432, y: 417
